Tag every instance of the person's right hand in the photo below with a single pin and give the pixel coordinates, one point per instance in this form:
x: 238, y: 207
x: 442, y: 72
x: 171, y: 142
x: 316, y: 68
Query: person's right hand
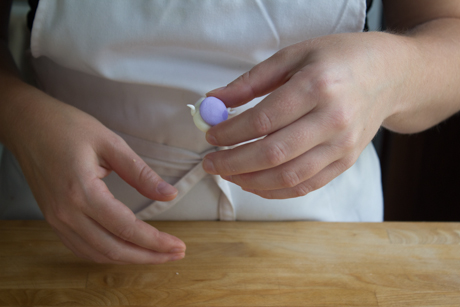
x: 64, y: 154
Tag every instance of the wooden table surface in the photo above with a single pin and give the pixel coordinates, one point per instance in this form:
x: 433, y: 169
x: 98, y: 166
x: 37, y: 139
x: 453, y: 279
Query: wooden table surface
x: 244, y: 264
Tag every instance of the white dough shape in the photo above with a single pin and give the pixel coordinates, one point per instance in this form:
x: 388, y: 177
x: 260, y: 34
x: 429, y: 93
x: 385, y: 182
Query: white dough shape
x: 208, y: 112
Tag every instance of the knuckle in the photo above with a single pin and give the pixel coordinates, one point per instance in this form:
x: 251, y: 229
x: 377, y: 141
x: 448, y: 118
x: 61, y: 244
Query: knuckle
x: 246, y: 77
x: 147, y: 175
x: 342, y: 117
x: 275, y: 154
x: 111, y: 254
x: 155, y: 235
x: 244, y: 179
x: 220, y: 136
x: 290, y: 178
x: 115, y: 140
x: 125, y: 232
x: 262, y: 122
x: 224, y: 165
x: 74, y: 192
x: 349, y: 142
x: 325, y: 82
x: 223, y: 137
x: 303, y: 189
x: 328, y: 77
x: 347, y: 162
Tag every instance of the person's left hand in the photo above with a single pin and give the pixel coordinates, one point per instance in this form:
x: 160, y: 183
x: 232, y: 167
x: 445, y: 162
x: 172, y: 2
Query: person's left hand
x: 329, y: 96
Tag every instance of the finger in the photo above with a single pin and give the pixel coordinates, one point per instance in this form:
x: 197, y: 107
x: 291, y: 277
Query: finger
x: 132, y: 169
x: 316, y: 182
x: 81, y: 248
x: 119, y: 220
x: 261, y: 79
x: 92, y: 240
x: 282, y: 107
x: 118, y: 250
x: 289, y: 174
x: 69, y: 235
x: 276, y: 149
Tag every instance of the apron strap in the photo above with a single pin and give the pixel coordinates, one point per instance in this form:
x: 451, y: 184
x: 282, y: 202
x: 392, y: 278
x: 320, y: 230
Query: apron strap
x: 226, y: 207
x: 184, y: 185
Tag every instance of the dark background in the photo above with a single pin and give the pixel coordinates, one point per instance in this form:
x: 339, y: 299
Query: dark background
x: 421, y: 173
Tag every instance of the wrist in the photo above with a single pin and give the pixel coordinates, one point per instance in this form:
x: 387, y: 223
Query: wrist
x: 402, y: 82
x: 428, y: 94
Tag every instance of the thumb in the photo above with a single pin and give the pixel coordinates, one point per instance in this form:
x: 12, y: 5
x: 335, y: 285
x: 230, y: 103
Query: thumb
x: 262, y: 79
x: 132, y: 169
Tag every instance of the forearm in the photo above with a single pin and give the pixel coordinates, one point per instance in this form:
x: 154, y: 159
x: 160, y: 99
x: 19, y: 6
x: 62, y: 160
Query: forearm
x: 12, y: 96
x: 10, y: 81
x: 23, y: 108
x: 429, y: 94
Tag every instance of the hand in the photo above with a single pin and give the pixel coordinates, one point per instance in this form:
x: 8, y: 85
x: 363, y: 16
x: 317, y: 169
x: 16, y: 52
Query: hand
x: 328, y: 98
x: 64, y: 153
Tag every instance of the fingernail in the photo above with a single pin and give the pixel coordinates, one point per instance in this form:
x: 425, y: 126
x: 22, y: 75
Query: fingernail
x: 215, y: 91
x: 177, y: 257
x: 166, y: 189
x: 208, y: 166
x: 211, y: 139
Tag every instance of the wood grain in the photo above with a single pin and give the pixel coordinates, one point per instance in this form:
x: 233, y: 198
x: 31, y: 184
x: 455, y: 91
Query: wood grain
x: 244, y: 264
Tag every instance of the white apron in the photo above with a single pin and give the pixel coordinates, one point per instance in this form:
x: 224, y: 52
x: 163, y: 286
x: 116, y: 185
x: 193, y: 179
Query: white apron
x: 135, y: 65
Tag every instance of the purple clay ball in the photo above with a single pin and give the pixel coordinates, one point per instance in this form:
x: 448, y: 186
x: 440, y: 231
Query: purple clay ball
x: 213, y: 111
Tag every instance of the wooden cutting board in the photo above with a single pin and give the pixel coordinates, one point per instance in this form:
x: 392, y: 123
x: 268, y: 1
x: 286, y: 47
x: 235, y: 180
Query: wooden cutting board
x: 244, y: 264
